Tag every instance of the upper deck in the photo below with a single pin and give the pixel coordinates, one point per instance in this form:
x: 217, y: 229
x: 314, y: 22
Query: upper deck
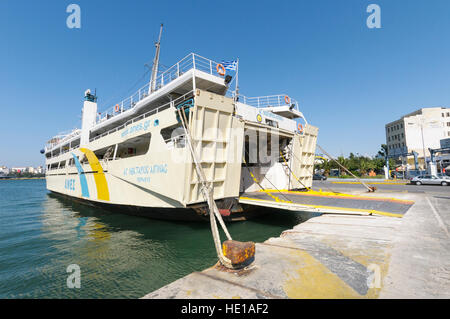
x: 174, y: 82
x: 179, y: 80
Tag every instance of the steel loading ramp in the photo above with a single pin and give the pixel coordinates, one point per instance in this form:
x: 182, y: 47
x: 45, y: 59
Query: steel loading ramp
x: 327, y: 202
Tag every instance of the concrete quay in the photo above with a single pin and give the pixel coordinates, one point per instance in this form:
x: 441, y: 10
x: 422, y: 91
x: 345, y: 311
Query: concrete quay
x: 341, y: 255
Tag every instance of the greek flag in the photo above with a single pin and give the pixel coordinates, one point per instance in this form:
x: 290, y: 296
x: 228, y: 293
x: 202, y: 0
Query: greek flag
x: 229, y: 65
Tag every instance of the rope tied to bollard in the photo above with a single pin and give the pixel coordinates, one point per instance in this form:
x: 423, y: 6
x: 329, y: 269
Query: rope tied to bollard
x: 239, y: 253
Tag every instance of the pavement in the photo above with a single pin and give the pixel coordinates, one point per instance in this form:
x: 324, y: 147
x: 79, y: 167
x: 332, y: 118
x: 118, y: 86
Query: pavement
x: 343, y: 255
x: 420, y: 263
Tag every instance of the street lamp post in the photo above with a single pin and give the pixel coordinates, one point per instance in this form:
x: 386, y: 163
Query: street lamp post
x: 423, y: 145
x: 422, y: 122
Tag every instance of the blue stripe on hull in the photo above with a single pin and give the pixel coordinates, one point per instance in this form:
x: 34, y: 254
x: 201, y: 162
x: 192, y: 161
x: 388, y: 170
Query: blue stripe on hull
x: 83, y: 181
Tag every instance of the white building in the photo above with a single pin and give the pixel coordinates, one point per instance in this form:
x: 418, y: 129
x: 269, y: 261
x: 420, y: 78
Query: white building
x: 417, y: 132
x: 18, y: 169
x: 39, y: 170
x: 4, y: 170
x: 28, y: 169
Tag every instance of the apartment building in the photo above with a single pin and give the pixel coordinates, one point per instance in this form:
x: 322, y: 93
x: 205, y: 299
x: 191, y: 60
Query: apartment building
x: 417, y: 132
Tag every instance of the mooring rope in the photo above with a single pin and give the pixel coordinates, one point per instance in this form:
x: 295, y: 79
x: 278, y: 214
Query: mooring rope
x: 310, y: 188
x: 346, y: 169
x: 207, y: 192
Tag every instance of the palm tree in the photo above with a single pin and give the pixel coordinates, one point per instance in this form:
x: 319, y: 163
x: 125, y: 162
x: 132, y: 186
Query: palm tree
x: 343, y: 161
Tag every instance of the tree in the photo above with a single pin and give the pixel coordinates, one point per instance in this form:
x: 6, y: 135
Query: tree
x: 344, y: 162
x: 383, y: 151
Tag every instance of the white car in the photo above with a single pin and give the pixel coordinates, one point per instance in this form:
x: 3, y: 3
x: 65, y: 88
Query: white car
x: 443, y: 180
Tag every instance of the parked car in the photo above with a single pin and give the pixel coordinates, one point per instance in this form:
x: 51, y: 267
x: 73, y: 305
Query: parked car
x: 318, y: 177
x: 410, y: 174
x: 431, y: 180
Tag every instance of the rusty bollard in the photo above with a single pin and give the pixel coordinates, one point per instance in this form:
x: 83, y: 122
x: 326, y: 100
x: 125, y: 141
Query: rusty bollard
x: 241, y: 254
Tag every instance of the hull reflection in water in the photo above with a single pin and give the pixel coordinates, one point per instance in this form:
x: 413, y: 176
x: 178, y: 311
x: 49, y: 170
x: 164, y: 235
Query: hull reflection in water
x: 119, y: 256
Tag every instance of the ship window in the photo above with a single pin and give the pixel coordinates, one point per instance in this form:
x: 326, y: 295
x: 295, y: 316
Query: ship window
x: 105, y: 153
x: 134, y: 146
x: 70, y: 162
x: 75, y: 143
x: 54, y: 166
x: 62, y: 164
x: 272, y: 123
x: 83, y: 159
x: 65, y: 148
x: 174, y: 136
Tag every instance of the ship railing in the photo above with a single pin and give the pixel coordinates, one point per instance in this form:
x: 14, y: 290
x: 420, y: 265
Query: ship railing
x: 268, y: 101
x: 191, y: 61
x: 163, y: 107
x: 133, y: 120
x: 61, y: 138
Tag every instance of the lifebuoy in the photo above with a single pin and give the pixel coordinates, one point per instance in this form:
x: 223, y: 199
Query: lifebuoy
x: 117, y: 108
x: 300, y: 127
x: 287, y: 99
x: 220, y: 69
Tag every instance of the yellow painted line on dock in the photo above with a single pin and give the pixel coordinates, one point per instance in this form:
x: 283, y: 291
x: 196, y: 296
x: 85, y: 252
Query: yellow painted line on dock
x: 308, y: 273
x: 370, y: 211
x: 344, y: 195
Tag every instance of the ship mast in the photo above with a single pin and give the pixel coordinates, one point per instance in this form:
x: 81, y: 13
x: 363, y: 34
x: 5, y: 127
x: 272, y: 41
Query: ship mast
x: 155, y: 63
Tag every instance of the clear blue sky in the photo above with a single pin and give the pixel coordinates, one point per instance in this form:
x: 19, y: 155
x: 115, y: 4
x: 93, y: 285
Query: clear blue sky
x: 350, y: 80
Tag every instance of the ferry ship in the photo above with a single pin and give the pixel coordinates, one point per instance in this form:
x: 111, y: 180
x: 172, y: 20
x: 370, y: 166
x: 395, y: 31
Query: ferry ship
x: 155, y: 152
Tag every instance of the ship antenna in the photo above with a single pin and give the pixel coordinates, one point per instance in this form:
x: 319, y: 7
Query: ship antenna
x: 156, y: 62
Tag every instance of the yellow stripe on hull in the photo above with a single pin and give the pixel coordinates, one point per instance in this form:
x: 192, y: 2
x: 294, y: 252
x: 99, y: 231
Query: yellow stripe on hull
x: 99, y: 175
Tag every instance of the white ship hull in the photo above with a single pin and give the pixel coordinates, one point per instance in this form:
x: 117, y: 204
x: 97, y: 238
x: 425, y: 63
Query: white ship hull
x: 142, y: 163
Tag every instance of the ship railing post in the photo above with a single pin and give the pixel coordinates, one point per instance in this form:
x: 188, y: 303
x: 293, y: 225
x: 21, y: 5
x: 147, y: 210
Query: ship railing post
x: 178, y: 69
x: 115, y: 152
x: 210, y: 66
x: 193, y: 72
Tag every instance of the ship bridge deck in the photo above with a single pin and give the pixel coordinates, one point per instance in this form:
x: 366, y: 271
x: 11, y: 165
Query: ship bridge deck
x: 169, y: 85
x: 327, y: 202
x: 177, y: 83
